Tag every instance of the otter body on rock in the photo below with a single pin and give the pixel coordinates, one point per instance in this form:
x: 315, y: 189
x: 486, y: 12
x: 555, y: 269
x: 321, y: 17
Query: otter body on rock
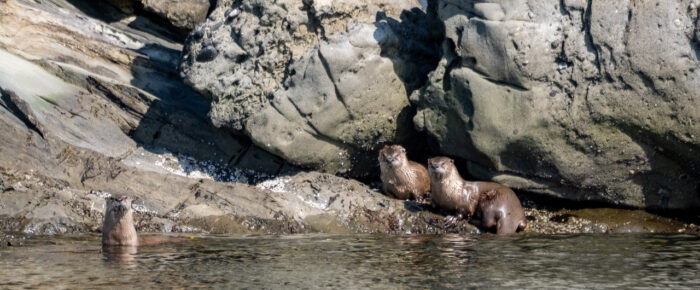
x: 402, y: 178
x: 490, y: 205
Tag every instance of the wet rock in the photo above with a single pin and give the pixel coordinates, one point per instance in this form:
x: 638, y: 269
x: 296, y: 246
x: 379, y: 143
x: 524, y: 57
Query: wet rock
x: 591, y: 112
x: 601, y: 220
x: 319, y: 84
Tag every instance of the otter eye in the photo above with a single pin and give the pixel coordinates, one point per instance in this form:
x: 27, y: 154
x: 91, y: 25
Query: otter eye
x: 403, y: 150
x: 452, y: 161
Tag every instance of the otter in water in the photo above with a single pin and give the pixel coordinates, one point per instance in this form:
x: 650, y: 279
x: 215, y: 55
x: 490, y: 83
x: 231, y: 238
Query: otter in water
x: 488, y: 204
x: 119, y: 230
x: 402, y: 178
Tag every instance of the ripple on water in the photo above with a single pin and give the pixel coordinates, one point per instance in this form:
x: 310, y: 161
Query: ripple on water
x: 362, y: 261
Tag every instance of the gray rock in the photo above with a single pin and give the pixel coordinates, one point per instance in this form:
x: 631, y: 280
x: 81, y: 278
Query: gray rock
x: 586, y: 101
x: 319, y: 84
x: 80, y: 125
x: 183, y: 15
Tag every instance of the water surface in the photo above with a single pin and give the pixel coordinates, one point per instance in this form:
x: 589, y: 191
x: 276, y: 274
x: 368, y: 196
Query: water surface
x: 363, y: 261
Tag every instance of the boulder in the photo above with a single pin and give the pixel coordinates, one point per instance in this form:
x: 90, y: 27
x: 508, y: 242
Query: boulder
x: 321, y: 84
x: 183, y: 15
x: 583, y: 100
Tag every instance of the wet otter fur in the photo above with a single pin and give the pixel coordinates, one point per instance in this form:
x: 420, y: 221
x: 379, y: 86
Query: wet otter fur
x: 402, y: 178
x: 119, y: 230
x: 489, y: 205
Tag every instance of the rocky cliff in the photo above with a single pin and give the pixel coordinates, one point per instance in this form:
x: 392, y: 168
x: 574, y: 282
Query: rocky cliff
x: 583, y: 100
x: 208, y: 134
x: 91, y: 105
x: 321, y: 84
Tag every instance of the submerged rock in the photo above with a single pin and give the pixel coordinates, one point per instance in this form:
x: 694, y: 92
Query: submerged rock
x: 319, y: 84
x: 578, y: 100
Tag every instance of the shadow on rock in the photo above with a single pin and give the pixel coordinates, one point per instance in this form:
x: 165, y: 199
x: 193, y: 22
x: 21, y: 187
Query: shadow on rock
x: 412, y: 44
x: 178, y: 122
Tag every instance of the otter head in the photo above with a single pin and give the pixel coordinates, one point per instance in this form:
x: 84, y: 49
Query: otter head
x: 440, y: 167
x: 393, y: 156
x: 118, y: 205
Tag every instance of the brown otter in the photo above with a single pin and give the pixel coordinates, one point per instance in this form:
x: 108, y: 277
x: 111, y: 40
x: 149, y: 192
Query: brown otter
x: 119, y: 230
x: 402, y: 178
x: 488, y: 204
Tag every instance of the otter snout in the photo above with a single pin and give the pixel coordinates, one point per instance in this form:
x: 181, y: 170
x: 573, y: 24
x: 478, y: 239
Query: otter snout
x: 119, y: 204
x: 121, y: 208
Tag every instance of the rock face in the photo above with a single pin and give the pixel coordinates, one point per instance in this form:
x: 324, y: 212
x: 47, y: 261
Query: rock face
x: 110, y: 88
x: 90, y: 108
x: 321, y: 84
x: 182, y: 14
x: 585, y: 100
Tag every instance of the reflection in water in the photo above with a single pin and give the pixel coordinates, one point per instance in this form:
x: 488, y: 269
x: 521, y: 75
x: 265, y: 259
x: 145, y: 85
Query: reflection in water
x: 363, y: 261
x: 119, y: 254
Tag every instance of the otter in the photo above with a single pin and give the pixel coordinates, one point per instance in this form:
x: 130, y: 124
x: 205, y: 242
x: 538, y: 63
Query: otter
x: 487, y: 204
x: 402, y: 178
x: 119, y: 230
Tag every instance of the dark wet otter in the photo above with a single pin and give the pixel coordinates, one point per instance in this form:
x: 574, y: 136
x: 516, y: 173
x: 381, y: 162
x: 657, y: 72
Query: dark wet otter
x: 488, y: 204
x: 119, y: 230
x: 402, y: 178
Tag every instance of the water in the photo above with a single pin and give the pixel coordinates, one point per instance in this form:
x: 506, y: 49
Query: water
x: 363, y: 261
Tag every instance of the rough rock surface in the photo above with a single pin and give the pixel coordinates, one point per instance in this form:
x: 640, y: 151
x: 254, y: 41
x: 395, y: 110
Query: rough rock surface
x: 584, y: 100
x: 181, y: 14
x: 90, y: 108
x: 91, y: 104
x: 110, y: 88
x: 321, y: 84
